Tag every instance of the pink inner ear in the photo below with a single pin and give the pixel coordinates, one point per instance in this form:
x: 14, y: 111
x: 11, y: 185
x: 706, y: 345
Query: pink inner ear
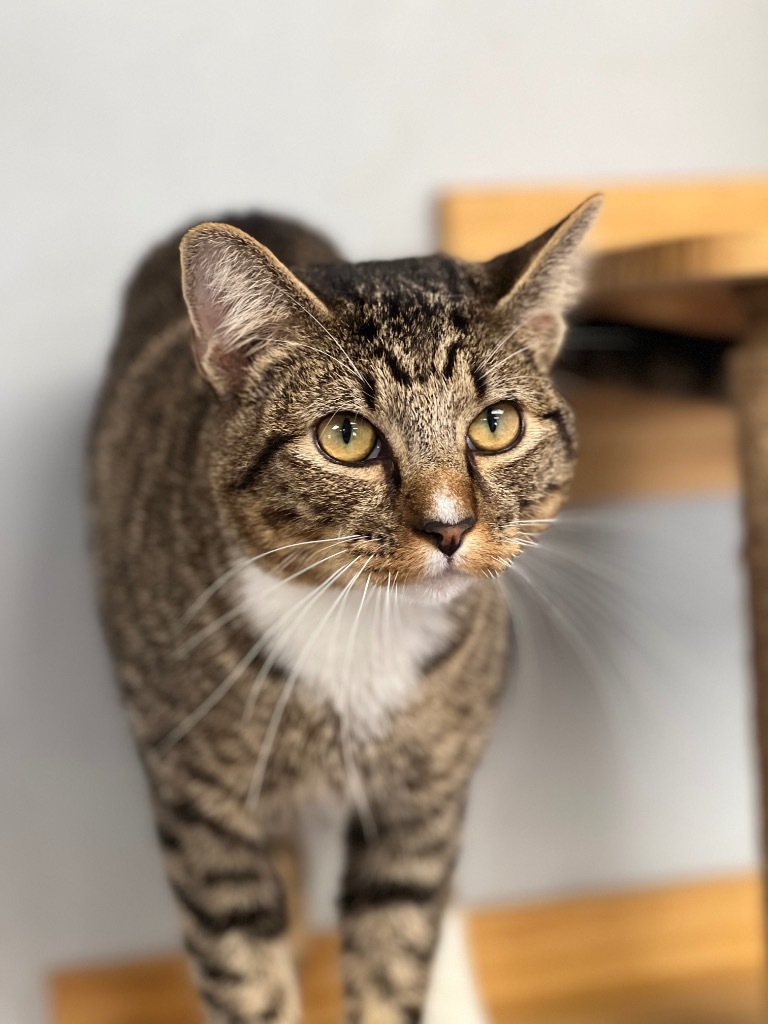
x: 227, y: 364
x: 211, y: 315
x: 220, y: 361
x: 547, y: 325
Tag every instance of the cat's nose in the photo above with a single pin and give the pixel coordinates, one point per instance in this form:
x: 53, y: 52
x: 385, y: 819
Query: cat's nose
x: 448, y: 536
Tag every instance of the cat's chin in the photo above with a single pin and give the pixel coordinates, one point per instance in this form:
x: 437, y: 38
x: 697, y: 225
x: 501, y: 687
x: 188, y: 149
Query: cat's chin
x: 437, y: 589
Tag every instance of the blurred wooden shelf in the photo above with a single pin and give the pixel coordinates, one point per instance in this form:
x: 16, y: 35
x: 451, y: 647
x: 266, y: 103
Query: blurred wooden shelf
x: 479, y: 223
x: 681, y: 955
x: 636, y: 443
x: 678, y: 256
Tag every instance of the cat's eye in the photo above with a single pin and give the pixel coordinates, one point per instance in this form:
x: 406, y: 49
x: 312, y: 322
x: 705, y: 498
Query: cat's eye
x: 347, y: 437
x: 498, y: 427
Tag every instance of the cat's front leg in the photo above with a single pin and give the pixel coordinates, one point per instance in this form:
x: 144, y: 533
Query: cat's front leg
x: 233, y: 910
x: 394, y: 895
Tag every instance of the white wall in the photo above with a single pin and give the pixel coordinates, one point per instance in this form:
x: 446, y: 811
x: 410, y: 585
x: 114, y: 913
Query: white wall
x: 120, y: 121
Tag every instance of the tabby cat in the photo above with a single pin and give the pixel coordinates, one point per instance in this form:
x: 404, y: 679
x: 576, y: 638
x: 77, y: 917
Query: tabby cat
x: 306, y: 477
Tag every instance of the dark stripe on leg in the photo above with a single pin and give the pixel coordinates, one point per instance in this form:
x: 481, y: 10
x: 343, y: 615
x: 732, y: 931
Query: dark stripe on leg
x: 263, y: 922
x: 211, y: 970
x: 190, y: 814
x: 382, y: 893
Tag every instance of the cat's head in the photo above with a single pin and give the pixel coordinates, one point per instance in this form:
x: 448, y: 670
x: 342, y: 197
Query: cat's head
x: 385, y: 422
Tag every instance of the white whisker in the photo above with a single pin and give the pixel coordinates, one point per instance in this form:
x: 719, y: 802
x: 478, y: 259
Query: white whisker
x: 335, y: 340
x: 257, y: 780
x: 355, y: 785
x: 528, y: 522
x: 508, y: 358
x: 500, y: 344
x: 593, y: 668
x: 212, y: 627
x: 242, y: 563
x: 216, y: 695
x: 303, y: 606
x: 326, y: 355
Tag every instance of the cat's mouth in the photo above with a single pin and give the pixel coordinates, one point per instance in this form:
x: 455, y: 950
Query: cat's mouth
x: 445, y: 577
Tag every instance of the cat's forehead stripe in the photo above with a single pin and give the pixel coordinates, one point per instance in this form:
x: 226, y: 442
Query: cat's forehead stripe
x: 450, y: 359
x: 480, y: 380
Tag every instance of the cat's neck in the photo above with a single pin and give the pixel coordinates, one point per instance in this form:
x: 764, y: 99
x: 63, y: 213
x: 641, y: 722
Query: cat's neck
x: 363, y: 651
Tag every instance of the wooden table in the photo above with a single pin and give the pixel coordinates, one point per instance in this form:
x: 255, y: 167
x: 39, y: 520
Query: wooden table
x: 690, y: 257
x: 717, y: 285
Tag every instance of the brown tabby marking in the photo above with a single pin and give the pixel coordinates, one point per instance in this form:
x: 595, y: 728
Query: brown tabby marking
x: 203, y: 456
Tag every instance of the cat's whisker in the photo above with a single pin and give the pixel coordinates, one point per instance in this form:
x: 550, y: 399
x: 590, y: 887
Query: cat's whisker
x: 257, y: 779
x: 355, y: 624
x: 287, y: 561
x: 580, y: 605
x: 213, y: 627
x: 586, y: 562
x: 210, y: 630
x: 342, y: 606
x: 355, y: 784
x: 508, y: 358
x: 303, y: 606
x: 326, y: 355
x: 483, y: 364
x: 589, y: 561
x: 398, y: 602
x: 604, y: 591
x: 574, y: 543
x: 335, y: 340
x: 219, y: 692
x: 561, y: 617
x: 528, y: 522
x: 591, y: 665
x: 243, y: 563
x: 526, y: 653
x: 591, y: 517
x: 388, y: 604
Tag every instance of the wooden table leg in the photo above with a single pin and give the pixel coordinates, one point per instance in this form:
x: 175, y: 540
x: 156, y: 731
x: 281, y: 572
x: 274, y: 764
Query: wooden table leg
x: 749, y: 388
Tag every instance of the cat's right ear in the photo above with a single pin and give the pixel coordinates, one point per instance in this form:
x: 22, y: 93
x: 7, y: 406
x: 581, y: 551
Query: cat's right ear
x: 534, y: 286
x: 242, y: 302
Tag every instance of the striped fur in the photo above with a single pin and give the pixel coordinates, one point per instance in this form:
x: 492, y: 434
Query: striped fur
x: 228, y: 549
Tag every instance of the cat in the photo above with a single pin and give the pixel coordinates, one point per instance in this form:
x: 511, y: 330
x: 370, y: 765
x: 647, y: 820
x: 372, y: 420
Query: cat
x: 306, y: 476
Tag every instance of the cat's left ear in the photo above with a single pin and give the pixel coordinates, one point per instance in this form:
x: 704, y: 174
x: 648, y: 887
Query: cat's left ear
x: 534, y: 286
x: 244, y: 304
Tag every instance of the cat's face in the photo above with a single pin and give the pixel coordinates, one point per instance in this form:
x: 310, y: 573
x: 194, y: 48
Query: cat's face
x: 403, y: 408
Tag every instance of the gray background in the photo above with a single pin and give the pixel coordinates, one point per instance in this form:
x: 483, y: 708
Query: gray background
x: 623, y: 756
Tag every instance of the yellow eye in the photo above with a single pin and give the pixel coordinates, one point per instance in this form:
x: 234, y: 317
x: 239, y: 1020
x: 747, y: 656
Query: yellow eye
x: 347, y: 437
x: 496, y: 428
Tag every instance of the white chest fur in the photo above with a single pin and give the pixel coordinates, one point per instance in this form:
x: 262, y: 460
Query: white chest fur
x: 362, y: 652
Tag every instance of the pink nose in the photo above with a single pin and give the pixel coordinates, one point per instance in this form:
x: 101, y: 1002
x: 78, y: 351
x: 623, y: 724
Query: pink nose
x: 448, y: 536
